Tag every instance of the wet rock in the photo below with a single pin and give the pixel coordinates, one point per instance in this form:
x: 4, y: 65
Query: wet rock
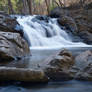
x: 64, y: 60
x: 58, y: 67
x: 42, y: 18
x: 83, y: 64
x: 82, y: 23
x: 86, y: 36
x: 58, y: 12
x: 69, y: 23
x: 83, y: 60
x: 22, y: 74
x: 12, y: 45
x: 8, y: 23
x: 57, y: 74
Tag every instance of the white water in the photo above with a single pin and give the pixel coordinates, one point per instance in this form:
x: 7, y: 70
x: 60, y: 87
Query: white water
x: 46, y: 35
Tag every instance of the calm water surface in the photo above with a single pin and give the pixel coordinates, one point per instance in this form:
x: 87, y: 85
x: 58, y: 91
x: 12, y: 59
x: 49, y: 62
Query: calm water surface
x: 38, y: 56
x: 70, y: 86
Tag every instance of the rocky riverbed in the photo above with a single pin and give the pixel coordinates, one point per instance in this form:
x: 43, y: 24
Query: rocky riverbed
x: 64, y: 65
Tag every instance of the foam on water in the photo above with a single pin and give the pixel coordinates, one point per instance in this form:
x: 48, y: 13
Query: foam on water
x: 42, y: 34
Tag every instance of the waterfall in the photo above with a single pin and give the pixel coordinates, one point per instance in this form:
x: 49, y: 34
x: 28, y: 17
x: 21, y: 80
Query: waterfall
x: 44, y: 32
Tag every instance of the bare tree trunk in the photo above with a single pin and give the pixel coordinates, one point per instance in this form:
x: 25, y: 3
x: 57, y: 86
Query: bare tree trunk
x: 64, y: 1
x: 25, y: 7
x: 11, y: 11
x: 34, y: 8
x: 82, y: 2
x: 30, y: 6
x: 61, y: 3
x: 56, y: 3
x: 47, y: 5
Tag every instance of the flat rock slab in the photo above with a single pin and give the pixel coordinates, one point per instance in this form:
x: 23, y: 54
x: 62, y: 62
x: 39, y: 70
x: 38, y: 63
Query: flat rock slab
x: 22, y: 74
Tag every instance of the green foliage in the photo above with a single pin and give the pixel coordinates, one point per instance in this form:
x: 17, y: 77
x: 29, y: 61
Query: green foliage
x: 3, y: 5
x: 38, y: 1
x: 17, y: 5
x: 52, y: 7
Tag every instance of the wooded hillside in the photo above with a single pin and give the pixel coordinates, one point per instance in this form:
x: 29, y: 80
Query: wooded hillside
x: 37, y: 6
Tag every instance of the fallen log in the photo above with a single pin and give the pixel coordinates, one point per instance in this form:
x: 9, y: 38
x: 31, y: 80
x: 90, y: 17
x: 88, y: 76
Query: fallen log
x: 22, y: 74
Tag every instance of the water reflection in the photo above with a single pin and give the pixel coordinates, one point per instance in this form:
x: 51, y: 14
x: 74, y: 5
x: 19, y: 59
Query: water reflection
x: 70, y: 86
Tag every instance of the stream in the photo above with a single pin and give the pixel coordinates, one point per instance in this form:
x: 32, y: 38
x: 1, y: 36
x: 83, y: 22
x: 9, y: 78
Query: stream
x: 46, y: 38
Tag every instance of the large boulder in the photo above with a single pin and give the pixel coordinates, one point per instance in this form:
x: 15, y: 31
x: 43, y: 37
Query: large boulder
x: 58, y: 12
x: 82, y: 68
x: 69, y: 24
x: 58, y: 67
x: 86, y: 36
x: 12, y: 46
x: 63, y: 60
x: 82, y: 22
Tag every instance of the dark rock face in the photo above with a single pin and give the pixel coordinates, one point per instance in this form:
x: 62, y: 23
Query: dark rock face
x: 69, y: 23
x: 58, y: 68
x: 86, y: 36
x: 12, y: 45
x: 77, y: 21
x: 84, y: 24
x: 58, y: 12
x: 8, y: 23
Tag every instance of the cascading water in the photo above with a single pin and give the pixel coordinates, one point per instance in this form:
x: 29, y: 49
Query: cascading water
x: 42, y: 33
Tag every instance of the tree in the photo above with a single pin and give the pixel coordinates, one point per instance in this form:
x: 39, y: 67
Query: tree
x: 30, y: 6
x: 82, y: 2
x: 47, y: 5
x: 25, y: 7
x: 11, y: 11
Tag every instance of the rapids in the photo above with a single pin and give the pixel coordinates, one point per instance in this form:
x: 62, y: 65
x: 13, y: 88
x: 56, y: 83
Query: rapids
x: 42, y: 32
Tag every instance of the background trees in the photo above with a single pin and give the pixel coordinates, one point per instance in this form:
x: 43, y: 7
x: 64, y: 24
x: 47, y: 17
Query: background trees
x: 10, y: 7
x: 36, y: 6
